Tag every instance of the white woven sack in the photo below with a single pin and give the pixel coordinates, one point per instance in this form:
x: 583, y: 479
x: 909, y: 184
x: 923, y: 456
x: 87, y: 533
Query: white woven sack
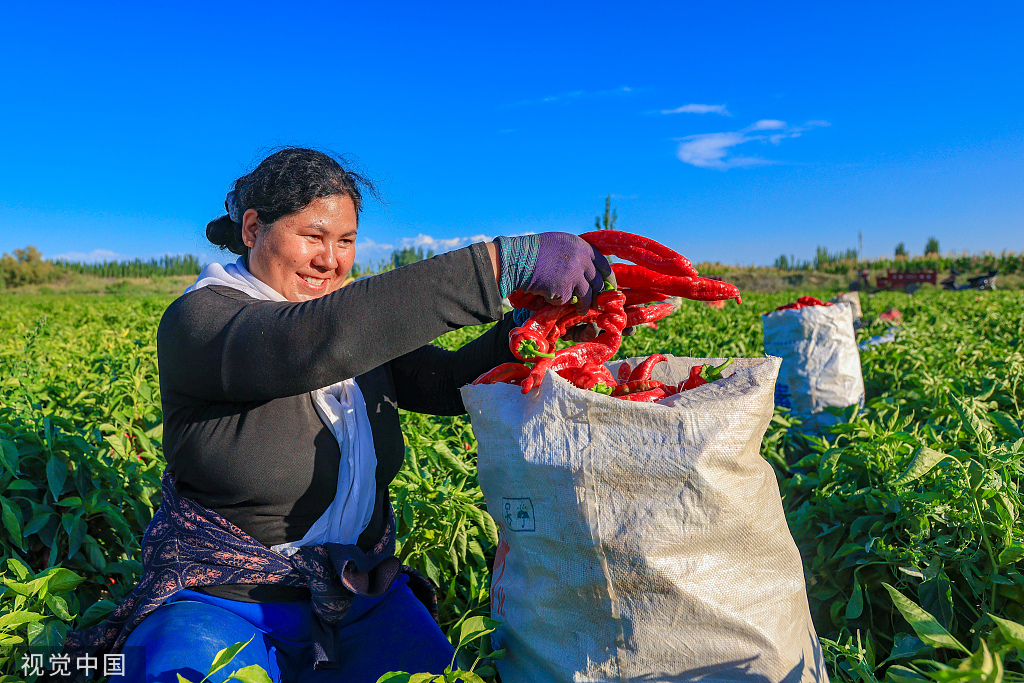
x: 642, y: 542
x: 820, y: 362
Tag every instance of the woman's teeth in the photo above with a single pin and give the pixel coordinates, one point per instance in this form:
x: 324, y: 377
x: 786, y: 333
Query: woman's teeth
x: 313, y: 281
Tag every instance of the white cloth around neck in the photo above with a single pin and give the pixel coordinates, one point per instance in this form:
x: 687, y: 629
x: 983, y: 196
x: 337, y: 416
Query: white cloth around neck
x: 342, y: 408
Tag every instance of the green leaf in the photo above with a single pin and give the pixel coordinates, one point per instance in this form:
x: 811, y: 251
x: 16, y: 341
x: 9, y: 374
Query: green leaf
x: 182, y: 679
x: 924, y: 624
x: 394, y: 677
x: 59, y: 607
x: 19, y: 568
x: 9, y: 456
x: 51, y: 636
x: 1007, y: 425
x: 924, y: 460
x: 906, y: 646
x: 469, y: 677
x: 225, y: 656
x: 901, y: 674
x: 474, y: 627
x: 18, y: 618
x: 1011, y: 554
x: 97, y: 612
x: 968, y: 411
x: 62, y: 580
x: 422, y: 678
x: 37, y: 522
x: 250, y: 674
x: 1011, y: 630
x: 12, y: 520
x: 56, y: 475
x: 855, y: 607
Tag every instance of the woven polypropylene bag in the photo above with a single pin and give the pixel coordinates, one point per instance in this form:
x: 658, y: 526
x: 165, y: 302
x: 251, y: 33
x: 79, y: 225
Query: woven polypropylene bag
x: 820, y: 362
x: 642, y: 542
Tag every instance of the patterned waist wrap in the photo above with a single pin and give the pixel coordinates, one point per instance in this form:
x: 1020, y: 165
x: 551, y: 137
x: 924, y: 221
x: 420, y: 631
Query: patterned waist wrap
x: 187, y: 546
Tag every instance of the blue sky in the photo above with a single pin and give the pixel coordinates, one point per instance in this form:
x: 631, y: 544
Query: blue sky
x: 730, y: 131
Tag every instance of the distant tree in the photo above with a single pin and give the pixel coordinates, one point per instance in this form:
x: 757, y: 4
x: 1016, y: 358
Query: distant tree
x: 26, y: 267
x: 932, y: 247
x: 901, y: 249
x: 606, y: 222
x: 403, y: 257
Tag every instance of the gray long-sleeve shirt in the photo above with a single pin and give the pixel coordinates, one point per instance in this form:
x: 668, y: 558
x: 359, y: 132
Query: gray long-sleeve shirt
x: 241, y: 433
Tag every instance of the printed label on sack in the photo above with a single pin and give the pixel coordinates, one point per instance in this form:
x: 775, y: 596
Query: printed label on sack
x: 782, y: 395
x: 518, y: 514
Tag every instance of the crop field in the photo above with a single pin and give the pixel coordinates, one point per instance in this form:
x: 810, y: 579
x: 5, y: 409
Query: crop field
x: 906, y: 513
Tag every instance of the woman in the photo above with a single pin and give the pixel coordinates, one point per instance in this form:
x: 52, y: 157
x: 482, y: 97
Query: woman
x: 280, y: 393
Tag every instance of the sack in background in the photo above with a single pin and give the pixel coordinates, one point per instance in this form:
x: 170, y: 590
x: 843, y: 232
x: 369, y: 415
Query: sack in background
x: 820, y: 362
x: 642, y: 542
x: 852, y: 298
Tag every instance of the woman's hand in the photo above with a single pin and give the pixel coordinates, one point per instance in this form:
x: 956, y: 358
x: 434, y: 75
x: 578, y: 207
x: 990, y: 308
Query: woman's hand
x: 556, y: 265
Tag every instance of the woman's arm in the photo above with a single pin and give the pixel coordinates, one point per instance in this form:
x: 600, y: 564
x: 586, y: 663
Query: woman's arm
x: 220, y: 345
x: 427, y: 380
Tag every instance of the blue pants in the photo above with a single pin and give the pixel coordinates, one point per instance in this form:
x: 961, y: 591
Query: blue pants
x: 393, y: 632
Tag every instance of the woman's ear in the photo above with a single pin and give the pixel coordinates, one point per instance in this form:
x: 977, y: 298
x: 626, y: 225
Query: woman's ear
x: 250, y: 227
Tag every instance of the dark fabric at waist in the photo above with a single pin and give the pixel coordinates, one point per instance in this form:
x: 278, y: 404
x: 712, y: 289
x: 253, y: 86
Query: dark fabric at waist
x: 248, y: 592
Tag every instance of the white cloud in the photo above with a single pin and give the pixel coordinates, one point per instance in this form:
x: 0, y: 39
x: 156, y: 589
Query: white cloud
x: 711, y: 150
x: 94, y: 256
x: 715, y: 150
x: 698, y: 109
x: 768, y: 124
x: 440, y: 245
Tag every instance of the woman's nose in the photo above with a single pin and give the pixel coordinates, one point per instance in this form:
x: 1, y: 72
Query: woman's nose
x: 325, y: 257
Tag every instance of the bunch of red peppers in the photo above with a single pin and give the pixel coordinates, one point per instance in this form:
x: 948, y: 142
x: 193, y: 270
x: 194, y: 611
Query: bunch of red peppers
x: 658, y: 273
x: 803, y: 302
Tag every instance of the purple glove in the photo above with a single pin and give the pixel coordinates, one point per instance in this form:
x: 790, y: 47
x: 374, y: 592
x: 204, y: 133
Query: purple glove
x: 555, y: 265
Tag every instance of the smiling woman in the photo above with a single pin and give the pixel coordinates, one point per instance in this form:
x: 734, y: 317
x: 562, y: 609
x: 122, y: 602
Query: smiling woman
x: 280, y: 393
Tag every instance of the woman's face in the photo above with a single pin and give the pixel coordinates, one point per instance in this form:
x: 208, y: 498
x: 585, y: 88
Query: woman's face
x: 307, y: 254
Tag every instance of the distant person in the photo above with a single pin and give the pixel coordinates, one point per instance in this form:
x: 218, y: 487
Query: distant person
x: 280, y: 394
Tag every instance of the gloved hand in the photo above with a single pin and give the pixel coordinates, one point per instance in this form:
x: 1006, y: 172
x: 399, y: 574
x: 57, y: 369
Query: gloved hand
x: 555, y: 265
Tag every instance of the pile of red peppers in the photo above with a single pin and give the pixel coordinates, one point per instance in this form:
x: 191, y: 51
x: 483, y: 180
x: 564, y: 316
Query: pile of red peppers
x: 803, y: 302
x: 658, y: 273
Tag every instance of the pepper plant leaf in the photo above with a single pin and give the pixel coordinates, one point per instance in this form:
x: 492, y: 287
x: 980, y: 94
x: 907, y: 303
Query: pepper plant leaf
x: 1011, y: 630
x: 924, y: 460
x: 1007, y: 425
x: 924, y: 624
x: 225, y: 656
x: 250, y: 674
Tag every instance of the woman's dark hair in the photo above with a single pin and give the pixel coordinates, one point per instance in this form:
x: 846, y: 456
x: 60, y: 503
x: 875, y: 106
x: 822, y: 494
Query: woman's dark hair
x: 285, y: 183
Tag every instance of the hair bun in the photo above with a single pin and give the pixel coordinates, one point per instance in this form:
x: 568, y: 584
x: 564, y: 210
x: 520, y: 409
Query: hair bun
x: 226, y: 234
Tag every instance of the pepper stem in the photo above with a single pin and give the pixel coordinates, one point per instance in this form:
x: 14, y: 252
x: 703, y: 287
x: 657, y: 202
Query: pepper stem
x: 529, y: 348
x: 710, y: 373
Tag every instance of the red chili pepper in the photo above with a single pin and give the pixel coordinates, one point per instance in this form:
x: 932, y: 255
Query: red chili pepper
x: 644, y: 370
x: 641, y: 250
x: 697, y: 288
x: 531, y: 302
x: 651, y: 396
x: 624, y: 372
x: 589, y: 376
x: 636, y: 385
x: 803, y: 302
x: 704, y: 374
x: 510, y: 373
x: 647, y: 314
x: 637, y: 297
x: 533, y: 338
